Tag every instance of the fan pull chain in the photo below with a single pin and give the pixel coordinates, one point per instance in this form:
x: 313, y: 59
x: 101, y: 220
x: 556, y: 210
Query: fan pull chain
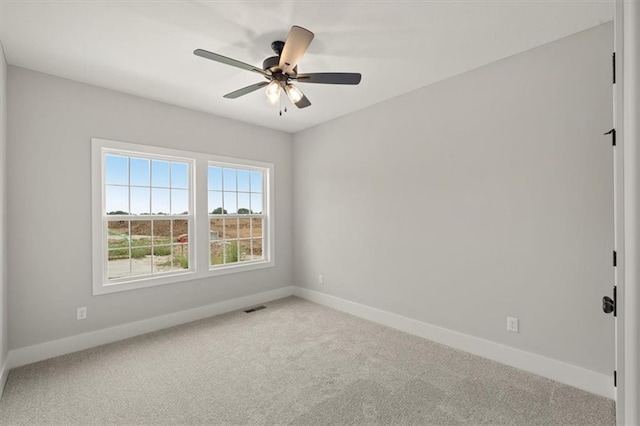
x: 285, y: 107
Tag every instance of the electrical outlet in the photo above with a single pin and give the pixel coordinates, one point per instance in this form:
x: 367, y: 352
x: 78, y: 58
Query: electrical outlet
x: 512, y: 324
x: 81, y: 313
x: 320, y: 279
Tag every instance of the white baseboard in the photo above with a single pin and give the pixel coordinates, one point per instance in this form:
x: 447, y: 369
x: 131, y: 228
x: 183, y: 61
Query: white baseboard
x: 4, y: 373
x: 42, y: 351
x: 559, y: 371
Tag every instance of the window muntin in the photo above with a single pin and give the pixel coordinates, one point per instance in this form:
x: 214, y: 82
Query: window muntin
x: 146, y: 215
x: 236, y: 214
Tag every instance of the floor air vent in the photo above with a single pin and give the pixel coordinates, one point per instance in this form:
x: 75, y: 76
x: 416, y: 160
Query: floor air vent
x: 257, y: 308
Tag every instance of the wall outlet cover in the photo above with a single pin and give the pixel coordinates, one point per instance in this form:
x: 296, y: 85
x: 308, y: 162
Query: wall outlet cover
x: 81, y: 313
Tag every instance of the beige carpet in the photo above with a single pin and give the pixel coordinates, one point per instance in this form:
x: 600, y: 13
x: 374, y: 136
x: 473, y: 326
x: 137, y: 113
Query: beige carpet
x: 293, y: 363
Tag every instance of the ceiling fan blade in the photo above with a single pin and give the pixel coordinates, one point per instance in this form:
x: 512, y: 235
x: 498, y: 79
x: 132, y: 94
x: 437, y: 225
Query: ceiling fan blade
x: 297, y: 43
x: 303, y: 103
x: 224, y: 60
x: 330, y: 78
x: 246, y: 90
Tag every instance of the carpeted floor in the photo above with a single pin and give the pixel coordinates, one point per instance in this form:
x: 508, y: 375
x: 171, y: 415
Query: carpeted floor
x: 293, y: 363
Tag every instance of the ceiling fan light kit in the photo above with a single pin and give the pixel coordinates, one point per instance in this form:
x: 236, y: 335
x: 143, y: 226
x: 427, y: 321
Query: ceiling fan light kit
x: 281, y: 70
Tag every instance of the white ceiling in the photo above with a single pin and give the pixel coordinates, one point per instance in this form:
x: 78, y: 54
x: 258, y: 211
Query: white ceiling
x: 144, y: 47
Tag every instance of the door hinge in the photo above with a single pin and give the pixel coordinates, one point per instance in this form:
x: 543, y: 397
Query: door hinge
x: 613, y: 64
x: 615, y: 258
x: 612, y: 132
x: 615, y: 379
x: 609, y: 305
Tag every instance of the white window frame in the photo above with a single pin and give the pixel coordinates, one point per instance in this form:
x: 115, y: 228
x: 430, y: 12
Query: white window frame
x: 199, y: 253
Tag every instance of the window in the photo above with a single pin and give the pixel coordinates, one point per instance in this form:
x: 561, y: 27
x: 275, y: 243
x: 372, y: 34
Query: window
x: 235, y: 214
x: 162, y: 216
x: 147, y: 204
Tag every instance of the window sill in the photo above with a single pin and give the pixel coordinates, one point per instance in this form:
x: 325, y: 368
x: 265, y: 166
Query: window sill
x: 108, y: 288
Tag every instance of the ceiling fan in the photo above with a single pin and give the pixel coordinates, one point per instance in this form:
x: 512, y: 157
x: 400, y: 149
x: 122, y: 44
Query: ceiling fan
x: 282, y: 70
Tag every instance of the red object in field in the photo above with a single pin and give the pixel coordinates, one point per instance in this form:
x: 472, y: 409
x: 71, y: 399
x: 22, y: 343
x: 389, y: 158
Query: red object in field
x: 182, y: 239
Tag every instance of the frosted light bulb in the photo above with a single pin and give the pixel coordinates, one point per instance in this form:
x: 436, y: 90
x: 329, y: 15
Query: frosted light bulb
x: 273, y: 92
x: 293, y: 92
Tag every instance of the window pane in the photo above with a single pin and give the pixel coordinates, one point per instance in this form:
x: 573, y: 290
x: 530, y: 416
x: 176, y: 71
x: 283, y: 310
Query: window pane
x: 243, y: 180
x: 230, y: 228
x: 118, y: 235
x: 140, y: 200
x: 230, y: 202
x: 161, y: 232
x: 243, y: 203
x: 161, y: 259
x: 116, y: 170
x: 244, y: 228
x: 118, y: 264
x: 217, y: 257
x: 256, y: 203
x: 180, y: 257
x: 141, y: 260
x: 140, y: 173
x: 256, y: 227
x: 215, y: 202
x: 160, y: 173
x: 160, y: 201
x: 229, y: 179
x: 140, y: 233
x: 257, y: 249
x: 216, y: 229
x: 256, y: 181
x: 231, y: 252
x: 179, y: 175
x: 245, y: 250
x: 117, y: 199
x: 179, y: 201
x: 215, y: 178
x: 180, y: 231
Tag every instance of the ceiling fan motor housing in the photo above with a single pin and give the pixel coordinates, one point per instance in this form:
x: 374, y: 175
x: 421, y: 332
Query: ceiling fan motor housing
x: 273, y: 64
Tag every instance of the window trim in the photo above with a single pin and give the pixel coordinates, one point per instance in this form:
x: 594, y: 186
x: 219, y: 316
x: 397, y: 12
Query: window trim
x: 199, y: 229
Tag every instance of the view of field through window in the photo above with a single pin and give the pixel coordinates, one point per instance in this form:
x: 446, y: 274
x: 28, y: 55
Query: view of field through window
x: 235, y: 215
x: 147, y: 215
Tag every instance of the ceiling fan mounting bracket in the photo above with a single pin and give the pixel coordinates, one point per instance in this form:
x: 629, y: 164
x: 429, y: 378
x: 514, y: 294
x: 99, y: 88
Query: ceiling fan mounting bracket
x: 277, y: 47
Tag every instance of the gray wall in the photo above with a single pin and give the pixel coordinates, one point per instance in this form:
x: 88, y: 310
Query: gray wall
x: 49, y: 172
x: 4, y: 339
x: 483, y: 196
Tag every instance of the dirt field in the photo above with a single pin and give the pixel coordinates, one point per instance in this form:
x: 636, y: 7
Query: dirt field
x: 142, y: 247
x: 144, y: 228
